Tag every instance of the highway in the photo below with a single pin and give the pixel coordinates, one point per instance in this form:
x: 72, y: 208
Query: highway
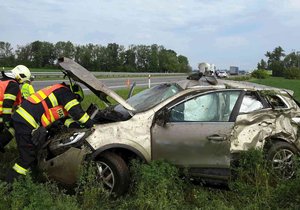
x: 116, y: 83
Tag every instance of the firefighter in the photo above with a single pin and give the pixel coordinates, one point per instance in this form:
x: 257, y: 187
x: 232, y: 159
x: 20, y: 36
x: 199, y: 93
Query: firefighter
x: 10, y: 96
x: 36, y: 114
x: 27, y: 88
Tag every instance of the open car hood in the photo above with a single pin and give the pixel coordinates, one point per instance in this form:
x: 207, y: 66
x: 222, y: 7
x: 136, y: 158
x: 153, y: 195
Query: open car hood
x: 82, y: 75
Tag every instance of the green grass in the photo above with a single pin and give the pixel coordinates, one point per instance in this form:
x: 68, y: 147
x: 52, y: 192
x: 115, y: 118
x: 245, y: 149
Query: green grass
x: 158, y: 185
x: 280, y: 82
x: 92, y: 98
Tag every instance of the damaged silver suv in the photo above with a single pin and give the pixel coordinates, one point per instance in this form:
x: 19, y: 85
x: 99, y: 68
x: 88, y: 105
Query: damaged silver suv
x: 201, y: 129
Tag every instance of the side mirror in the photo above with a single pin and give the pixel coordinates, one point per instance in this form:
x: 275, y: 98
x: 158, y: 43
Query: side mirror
x: 162, y: 117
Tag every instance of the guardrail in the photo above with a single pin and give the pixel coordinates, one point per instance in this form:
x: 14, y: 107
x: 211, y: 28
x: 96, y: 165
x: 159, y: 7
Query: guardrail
x: 106, y: 74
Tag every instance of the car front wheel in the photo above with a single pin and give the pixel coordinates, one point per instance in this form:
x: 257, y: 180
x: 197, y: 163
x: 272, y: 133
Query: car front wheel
x: 282, y: 159
x: 113, y: 172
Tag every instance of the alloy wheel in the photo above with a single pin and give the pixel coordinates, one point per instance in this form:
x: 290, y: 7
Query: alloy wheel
x: 106, y: 175
x: 283, y: 163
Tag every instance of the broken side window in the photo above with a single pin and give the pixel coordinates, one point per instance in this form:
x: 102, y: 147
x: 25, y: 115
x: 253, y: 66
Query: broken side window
x: 250, y: 103
x: 276, y: 102
x: 212, y: 107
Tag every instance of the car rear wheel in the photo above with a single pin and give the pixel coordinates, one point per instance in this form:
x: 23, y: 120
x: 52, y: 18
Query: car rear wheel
x: 282, y: 159
x: 113, y: 172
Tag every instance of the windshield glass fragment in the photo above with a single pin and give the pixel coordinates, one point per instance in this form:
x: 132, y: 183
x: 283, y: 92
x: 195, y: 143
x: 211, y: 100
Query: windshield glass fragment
x: 149, y: 98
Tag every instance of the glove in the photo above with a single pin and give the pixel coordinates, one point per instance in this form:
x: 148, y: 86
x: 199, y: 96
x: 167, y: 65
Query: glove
x: 89, y: 124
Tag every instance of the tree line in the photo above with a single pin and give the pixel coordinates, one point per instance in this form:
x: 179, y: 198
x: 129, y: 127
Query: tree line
x: 95, y: 57
x: 281, y: 64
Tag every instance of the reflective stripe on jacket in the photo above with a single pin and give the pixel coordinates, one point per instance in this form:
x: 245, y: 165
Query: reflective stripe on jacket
x: 28, y: 117
x: 6, y: 96
x: 50, y: 114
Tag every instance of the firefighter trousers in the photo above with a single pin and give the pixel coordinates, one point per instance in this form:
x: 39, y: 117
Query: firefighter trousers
x: 26, y: 148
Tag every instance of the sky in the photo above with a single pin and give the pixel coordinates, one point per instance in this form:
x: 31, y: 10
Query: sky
x: 220, y: 32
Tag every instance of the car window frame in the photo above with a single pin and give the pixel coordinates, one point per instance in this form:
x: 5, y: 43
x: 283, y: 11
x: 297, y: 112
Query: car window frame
x: 184, y: 98
x: 261, y: 99
x: 283, y: 100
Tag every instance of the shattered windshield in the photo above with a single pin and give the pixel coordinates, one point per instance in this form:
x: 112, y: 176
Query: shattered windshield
x: 151, y: 97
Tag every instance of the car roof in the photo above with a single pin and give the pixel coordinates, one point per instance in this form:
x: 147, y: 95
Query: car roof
x: 254, y: 87
x: 203, y: 82
x: 230, y: 84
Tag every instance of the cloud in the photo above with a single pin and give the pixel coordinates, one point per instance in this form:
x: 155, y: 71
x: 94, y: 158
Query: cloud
x: 230, y: 42
x: 285, y: 12
x: 201, y: 30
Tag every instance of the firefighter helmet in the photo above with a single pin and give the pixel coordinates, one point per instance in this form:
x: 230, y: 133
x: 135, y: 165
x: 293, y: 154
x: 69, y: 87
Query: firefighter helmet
x: 21, y: 73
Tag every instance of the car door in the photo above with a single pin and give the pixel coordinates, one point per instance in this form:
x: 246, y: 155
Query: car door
x: 196, y: 133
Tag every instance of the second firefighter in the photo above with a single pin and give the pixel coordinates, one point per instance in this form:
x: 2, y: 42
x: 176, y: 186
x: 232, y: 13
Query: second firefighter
x: 38, y: 112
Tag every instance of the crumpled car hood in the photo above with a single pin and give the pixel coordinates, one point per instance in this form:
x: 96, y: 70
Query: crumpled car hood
x: 82, y: 75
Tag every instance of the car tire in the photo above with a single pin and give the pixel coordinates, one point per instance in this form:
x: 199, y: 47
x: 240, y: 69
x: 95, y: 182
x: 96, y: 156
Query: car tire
x: 281, y: 156
x: 113, y: 172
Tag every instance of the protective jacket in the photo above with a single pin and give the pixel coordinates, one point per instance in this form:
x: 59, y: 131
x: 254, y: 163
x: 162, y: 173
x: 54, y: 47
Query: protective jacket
x: 10, y: 96
x: 48, y: 105
x: 41, y: 109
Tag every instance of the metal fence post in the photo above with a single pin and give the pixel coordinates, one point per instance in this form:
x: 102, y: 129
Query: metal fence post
x: 149, y: 81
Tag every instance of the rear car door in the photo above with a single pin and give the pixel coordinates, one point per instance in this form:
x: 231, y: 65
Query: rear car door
x: 196, y: 133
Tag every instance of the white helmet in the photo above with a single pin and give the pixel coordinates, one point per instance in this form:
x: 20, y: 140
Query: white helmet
x: 21, y: 73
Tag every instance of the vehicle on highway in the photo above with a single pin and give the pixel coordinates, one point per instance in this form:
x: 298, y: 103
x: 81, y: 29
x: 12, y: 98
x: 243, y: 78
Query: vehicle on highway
x: 200, y: 129
x: 222, y: 74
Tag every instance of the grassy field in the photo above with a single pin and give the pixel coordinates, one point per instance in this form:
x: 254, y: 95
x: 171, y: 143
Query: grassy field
x: 281, y: 83
x: 159, y: 186
x: 92, y: 98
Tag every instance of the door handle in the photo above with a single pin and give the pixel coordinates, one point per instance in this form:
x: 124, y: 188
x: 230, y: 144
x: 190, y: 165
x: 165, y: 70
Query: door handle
x: 216, y: 138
